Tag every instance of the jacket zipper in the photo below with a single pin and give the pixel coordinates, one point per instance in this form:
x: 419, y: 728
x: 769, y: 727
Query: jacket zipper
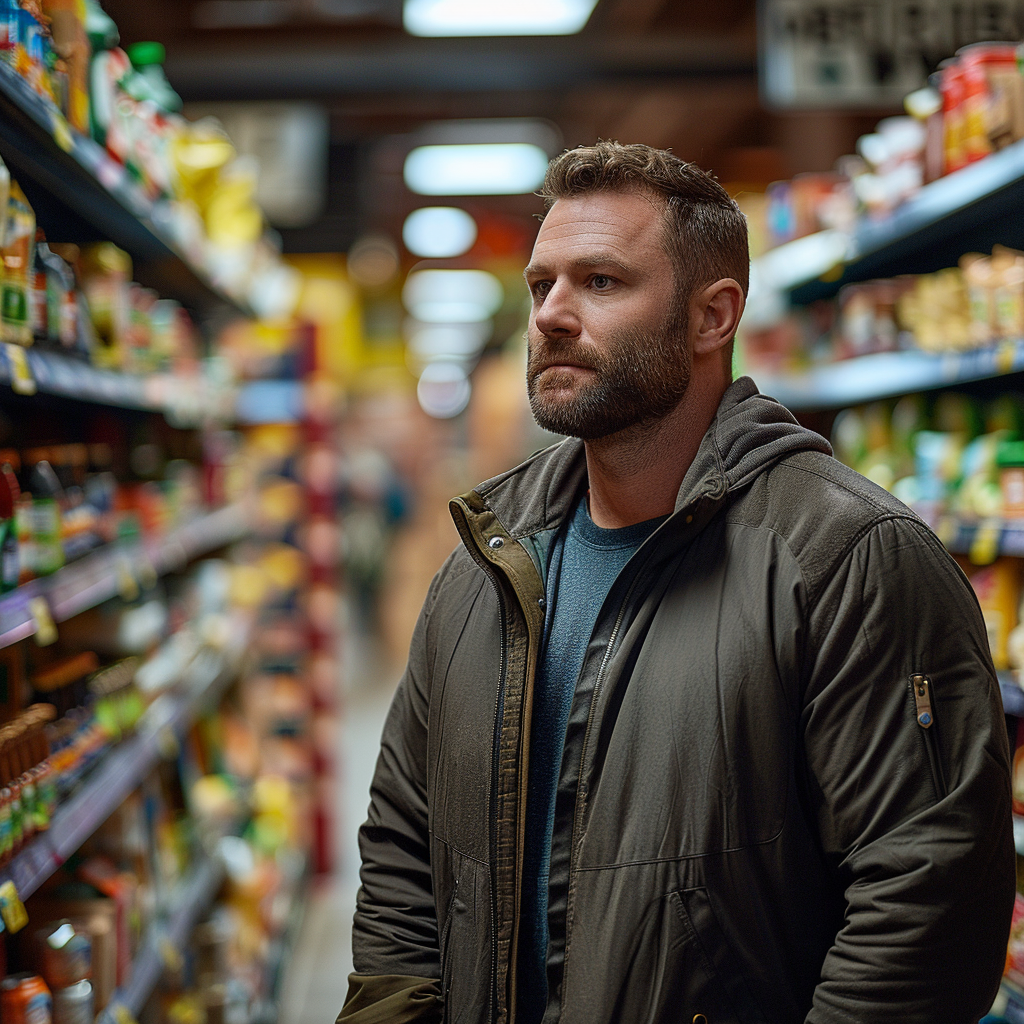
x: 446, y: 981
x: 492, y: 842
x: 470, y: 542
x: 924, y: 714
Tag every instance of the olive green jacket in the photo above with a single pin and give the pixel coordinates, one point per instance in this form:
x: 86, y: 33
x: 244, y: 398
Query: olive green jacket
x: 785, y: 795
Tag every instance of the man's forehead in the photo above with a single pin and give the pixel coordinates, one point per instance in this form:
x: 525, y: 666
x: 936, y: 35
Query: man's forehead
x: 610, y: 223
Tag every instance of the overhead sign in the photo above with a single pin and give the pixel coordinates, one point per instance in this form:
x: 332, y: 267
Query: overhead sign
x: 869, y: 53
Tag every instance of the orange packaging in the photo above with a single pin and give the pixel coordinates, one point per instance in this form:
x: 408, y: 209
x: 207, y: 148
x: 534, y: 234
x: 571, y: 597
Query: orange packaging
x: 952, y: 89
x: 25, y: 999
x: 991, y: 98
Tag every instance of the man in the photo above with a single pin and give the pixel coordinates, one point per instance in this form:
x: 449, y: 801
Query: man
x: 698, y: 724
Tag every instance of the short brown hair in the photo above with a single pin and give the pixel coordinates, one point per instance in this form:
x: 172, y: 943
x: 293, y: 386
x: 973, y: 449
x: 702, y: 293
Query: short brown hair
x: 706, y: 234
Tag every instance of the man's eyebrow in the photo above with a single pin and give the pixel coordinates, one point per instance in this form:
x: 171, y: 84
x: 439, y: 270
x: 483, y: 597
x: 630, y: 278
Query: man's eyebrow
x: 581, y: 262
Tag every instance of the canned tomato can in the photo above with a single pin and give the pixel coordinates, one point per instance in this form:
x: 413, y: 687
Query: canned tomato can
x: 73, y: 1005
x: 25, y: 999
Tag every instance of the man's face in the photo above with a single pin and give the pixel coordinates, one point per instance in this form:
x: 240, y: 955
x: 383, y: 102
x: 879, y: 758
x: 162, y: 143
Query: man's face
x: 607, y: 335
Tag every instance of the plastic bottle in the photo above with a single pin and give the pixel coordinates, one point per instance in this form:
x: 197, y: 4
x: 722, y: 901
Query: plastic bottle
x: 47, y: 501
x: 10, y: 492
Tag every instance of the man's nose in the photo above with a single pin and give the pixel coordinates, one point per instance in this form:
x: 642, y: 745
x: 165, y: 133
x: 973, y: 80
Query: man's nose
x: 557, y: 314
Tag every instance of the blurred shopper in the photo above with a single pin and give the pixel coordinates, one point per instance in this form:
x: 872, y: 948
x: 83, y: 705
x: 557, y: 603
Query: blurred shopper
x: 698, y: 724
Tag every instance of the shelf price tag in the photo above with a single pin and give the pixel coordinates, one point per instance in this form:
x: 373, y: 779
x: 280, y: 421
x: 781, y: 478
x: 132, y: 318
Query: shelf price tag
x: 946, y: 529
x: 985, y: 545
x: 171, y: 956
x: 167, y: 743
x: 61, y: 131
x: 123, y: 1015
x: 12, y: 910
x: 127, y: 585
x: 46, y: 628
x: 22, y: 380
x: 1006, y: 356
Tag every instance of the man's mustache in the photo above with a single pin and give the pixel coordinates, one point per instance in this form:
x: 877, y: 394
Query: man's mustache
x: 546, y: 353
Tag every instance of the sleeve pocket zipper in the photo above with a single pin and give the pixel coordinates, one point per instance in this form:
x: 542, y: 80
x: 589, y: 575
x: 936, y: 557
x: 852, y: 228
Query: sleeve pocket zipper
x: 924, y: 713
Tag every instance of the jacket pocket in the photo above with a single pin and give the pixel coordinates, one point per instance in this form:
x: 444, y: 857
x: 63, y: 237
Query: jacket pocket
x: 446, y: 958
x: 716, y: 992
x: 923, y: 698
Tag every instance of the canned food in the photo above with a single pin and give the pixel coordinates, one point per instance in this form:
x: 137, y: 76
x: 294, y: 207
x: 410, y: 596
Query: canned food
x: 25, y: 999
x: 65, y: 952
x: 74, y: 1004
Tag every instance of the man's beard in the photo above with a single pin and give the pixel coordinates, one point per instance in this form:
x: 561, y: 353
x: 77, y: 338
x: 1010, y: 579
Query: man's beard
x: 639, y: 381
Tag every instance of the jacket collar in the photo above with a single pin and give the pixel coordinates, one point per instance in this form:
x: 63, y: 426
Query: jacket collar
x: 749, y: 434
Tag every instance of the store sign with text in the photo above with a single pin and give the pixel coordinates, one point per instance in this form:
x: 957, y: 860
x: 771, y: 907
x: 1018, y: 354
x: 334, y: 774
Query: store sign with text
x: 869, y: 53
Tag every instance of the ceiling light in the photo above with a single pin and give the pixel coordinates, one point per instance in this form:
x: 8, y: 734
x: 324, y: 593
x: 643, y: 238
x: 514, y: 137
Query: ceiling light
x: 443, y: 390
x: 452, y: 296
x: 496, y: 17
x: 439, y: 231
x: 448, y: 341
x: 479, y: 169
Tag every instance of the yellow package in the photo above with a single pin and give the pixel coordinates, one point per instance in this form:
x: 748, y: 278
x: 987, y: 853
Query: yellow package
x: 998, y: 589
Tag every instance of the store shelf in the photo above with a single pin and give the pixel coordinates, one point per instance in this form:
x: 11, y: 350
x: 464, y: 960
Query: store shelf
x: 119, y: 772
x: 115, y: 569
x: 888, y: 374
x: 184, y: 401
x: 971, y: 209
x: 193, y: 898
x: 80, y: 194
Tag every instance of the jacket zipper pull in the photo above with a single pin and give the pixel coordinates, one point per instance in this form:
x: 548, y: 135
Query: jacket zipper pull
x: 922, y: 700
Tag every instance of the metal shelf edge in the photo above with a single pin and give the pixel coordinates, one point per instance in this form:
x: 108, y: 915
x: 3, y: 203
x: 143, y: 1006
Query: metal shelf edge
x: 888, y: 375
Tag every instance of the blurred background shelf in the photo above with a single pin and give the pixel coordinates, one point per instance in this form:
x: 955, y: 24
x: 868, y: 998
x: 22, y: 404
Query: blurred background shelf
x: 115, y: 569
x: 184, y: 401
x: 165, y: 939
x: 969, y: 209
x: 887, y: 375
x: 119, y: 770
x: 80, y: 195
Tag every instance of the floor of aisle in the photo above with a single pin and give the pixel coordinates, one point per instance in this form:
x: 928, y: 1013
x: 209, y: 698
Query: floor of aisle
x: 316, y: 978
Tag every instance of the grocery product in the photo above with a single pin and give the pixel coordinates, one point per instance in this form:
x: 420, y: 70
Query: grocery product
x: 25, y: 999
x: 18, y: 244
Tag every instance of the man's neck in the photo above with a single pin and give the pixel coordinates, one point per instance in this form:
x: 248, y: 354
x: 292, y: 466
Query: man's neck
x: 635, y: 475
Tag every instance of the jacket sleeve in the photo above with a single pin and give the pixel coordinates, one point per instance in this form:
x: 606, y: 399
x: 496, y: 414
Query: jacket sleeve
x: 916, y: 821
x: 394, y: 936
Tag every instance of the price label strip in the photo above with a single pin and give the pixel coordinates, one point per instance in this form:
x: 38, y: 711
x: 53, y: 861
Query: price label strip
x: 46, y: 628
x: 22, y: 380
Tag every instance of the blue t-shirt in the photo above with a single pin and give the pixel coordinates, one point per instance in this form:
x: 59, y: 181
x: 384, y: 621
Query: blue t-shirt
x: 585, y: 562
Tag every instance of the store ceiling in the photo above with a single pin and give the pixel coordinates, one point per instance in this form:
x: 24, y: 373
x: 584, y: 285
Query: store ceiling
x: 673, y: 73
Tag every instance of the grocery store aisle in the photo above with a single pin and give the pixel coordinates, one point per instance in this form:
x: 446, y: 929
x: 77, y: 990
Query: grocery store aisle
x: 317, y: 977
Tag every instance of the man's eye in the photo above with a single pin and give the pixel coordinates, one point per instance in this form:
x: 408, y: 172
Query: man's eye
x: 541, y: 288
x: 601, y: 282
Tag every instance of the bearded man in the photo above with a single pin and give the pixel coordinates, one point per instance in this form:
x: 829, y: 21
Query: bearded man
x: 698, y: 724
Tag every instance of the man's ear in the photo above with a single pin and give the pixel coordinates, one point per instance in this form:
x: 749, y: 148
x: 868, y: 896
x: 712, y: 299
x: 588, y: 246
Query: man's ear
x: 715, y: 313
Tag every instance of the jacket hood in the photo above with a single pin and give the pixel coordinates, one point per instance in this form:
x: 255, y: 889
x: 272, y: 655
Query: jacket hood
x: 749, y: 434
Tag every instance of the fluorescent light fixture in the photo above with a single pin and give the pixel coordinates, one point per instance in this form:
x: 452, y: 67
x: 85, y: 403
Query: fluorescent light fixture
x: 428, y: 342
x: 476, y: 169
x: 439, y: 231
x: 452, y: 296
x: 496, y: 17
x: 443, y: 390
